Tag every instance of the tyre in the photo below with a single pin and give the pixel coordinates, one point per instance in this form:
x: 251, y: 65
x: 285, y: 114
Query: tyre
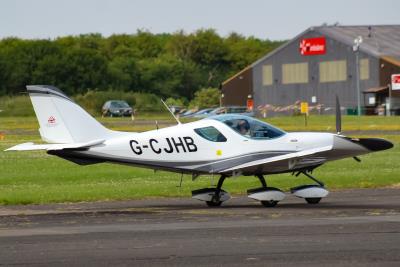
x: 313, y: 200
x: 214, y: 203
x: 269, y: 203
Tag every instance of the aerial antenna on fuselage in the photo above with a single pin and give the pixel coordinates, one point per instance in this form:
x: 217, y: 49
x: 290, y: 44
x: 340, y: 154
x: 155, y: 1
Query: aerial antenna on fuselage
x: 338, y: 116
x: 170, y: 111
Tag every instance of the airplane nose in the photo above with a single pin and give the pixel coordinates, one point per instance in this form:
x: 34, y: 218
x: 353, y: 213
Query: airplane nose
x: 374, y: 144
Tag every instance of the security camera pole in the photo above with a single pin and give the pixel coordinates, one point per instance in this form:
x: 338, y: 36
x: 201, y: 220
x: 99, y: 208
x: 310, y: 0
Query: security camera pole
x: 356, y: 49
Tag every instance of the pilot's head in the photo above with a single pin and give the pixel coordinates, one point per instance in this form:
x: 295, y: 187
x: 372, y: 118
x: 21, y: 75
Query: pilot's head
x: 243, y: 127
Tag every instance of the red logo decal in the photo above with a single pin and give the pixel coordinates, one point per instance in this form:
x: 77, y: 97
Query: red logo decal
x: 51, y: 120
x: 313, y: 46
x: 396, y: 78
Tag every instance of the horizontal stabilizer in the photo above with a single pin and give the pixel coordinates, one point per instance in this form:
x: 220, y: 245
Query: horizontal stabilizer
x: 32, y: 146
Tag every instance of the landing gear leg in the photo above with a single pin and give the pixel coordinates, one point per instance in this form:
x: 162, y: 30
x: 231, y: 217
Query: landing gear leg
x: 314, y: 179
x: 212, y: 196
x: 262, y: 180
x: 216, y: 199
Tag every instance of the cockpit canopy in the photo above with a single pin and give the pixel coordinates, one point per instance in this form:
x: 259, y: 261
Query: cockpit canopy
x: 249, y: 127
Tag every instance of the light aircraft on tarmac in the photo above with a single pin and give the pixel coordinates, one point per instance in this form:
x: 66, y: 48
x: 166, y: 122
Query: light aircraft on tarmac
x: 225, y: 145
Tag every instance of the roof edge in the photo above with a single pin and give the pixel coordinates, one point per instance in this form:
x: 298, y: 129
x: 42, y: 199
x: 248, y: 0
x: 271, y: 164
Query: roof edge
x: 273, y: 52
x: 236, y: 75
x: 391, y: 60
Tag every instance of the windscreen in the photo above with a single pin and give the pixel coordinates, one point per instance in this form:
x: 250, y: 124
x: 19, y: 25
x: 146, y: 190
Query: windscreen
x: 249, y: 127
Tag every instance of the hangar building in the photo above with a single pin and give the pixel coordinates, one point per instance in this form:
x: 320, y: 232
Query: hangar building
x: 319, y: 64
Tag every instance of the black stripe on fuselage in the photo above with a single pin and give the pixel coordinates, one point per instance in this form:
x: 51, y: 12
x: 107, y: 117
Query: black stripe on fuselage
x: 190, y: 167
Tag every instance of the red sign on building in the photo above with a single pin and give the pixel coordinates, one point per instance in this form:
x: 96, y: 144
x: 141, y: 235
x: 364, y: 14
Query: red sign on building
x: 396, y: 82
x: 313, y: 46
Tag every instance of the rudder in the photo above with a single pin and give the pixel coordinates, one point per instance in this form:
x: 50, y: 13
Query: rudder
x: 61, y: 120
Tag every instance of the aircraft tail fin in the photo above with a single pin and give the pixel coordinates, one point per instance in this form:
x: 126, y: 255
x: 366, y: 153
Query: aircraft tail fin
x: 61, y: 120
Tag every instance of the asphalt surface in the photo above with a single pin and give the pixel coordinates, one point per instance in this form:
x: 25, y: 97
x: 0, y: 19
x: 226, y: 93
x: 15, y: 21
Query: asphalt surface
x: 349, y: 228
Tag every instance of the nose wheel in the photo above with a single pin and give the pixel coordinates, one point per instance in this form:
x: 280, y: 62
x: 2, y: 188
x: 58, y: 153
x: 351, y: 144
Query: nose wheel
x: 313, y: 193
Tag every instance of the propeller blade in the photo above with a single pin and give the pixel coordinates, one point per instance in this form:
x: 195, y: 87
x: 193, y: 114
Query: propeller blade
x: 338, y: 116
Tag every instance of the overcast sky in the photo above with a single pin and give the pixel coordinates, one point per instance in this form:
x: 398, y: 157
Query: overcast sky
x: 274, y: 20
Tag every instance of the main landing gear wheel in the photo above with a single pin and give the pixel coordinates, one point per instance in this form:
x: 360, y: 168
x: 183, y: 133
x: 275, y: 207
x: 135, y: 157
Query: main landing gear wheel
x: 268, y: 196
x: 214, y: 203
x: 212, y: 196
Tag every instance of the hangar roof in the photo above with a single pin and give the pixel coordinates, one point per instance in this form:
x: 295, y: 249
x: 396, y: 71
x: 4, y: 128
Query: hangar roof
x: 378, y: 40
x: 381, y: 40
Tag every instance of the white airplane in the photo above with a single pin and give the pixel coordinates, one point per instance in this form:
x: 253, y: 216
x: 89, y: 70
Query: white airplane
x: 225, y: 145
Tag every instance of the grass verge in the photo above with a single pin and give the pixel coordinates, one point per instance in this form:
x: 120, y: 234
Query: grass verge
x: 35, y: 177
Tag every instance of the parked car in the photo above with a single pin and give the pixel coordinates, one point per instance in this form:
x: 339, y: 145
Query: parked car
x: 240, y: 110
x: 116, y: 108
x: 188, y: 113
x: 175, y: 109
x: 201, y: 113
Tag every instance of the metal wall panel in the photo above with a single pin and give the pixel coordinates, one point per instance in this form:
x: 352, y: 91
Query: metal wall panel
x: 237, y: 88
x: 279, y: 94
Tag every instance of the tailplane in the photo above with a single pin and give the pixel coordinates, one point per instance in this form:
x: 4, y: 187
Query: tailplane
x: 61, y: 120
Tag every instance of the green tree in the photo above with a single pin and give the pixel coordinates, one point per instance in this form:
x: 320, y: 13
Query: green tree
x: 75, y: 71
x: 123, y: 73
x: 205, y: 98
x: 21, y: 58
x: 169, y: 65
x: 150, y: 45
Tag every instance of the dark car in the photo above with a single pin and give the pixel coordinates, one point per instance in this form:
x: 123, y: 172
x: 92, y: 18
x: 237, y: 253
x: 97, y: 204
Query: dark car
x: 201, y: 113
x: 116, y: 108
x: 241, y: 110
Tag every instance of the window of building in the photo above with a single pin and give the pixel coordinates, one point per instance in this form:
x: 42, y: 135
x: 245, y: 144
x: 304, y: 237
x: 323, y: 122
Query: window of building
x: 267, y: 75
x: 211, y: 134
x: 295, y: 73
x: 333, y: 71
x: 364, y: 69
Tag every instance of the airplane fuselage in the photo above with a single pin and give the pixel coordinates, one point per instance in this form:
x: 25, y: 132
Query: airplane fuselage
x: 181, y: 149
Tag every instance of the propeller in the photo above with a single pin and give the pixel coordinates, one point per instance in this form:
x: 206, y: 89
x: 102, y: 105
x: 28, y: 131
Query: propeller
x: 338, y: 116
x: 339, y: 122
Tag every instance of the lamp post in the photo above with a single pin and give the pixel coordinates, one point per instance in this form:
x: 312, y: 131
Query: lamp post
x: 356, y: 49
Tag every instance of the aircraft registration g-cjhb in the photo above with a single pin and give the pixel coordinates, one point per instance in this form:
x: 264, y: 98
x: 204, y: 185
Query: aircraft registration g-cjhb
x: 225, y: 145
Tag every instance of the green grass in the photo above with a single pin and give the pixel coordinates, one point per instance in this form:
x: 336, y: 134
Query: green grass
x: 147, y: 121
x: 35, y: 177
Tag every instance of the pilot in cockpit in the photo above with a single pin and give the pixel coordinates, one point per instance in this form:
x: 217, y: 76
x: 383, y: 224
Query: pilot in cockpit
x: 244, y: 128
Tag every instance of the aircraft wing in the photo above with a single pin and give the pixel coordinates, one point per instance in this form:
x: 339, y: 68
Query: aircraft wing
x: 32, y: 146
x: 291, y: 161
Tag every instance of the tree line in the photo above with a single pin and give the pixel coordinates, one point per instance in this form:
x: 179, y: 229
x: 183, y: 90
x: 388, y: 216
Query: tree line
x: 168, y: 65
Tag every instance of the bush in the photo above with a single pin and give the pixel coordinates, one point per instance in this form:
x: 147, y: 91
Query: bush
x: 206, y: 98
x: 16, y: 106
x: 181, y: 102
x: 148, y: 102
x: 92, y: 101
